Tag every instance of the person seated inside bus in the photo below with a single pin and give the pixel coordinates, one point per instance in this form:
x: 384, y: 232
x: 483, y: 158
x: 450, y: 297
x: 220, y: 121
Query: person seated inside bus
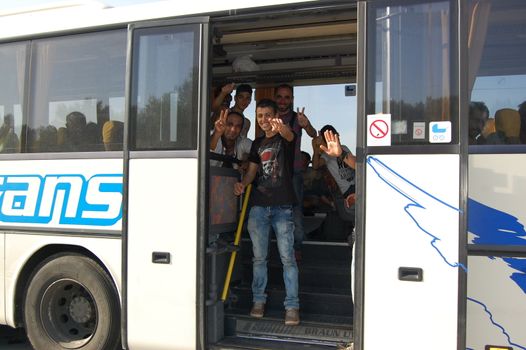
x: 113, y: 135
x: 522, y: 113
x: 242, y: 99
x: 47, y: 139
x: 9, y: 142
x: 227, y: 140
x: 340, y: 171
x: 93, y: 137
x: 507, y: 128
x: 316, y: 198
x: 479, y: 124
x: 72, y: 138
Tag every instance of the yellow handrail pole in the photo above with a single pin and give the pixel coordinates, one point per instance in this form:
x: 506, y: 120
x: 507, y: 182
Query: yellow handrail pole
x: 236, y: 242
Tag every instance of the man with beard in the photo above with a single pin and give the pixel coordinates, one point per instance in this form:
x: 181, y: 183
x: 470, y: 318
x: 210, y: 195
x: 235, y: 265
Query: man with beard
x: 296, y: 121
x: 227, y: 139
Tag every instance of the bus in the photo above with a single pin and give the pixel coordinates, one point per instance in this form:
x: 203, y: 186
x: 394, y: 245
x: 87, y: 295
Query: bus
x: 116, y: 231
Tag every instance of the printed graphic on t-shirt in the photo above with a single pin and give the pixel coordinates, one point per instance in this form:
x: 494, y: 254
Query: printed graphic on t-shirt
x: 271, y: 170
x: 344, y: 170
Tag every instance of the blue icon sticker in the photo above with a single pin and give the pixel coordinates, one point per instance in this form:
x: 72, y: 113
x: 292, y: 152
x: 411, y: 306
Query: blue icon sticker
x: 440, y: 132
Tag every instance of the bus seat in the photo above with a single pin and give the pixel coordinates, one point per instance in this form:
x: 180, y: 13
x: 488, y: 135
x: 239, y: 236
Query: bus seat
x: 112, y: 135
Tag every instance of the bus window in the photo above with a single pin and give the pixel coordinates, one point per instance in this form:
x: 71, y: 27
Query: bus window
x: 164, y: 89
x: 497, y: 73
x: 12, y: 71
x: 77, y: 86
x: 328, y: 104
x: 413, y: 70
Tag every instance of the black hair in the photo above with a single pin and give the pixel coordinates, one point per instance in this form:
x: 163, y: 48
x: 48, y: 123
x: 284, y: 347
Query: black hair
x: 285, y: 86
x: 328, y: 127
x: 307, y: 155
x: 267, y: 103
x: 240, y: 115
x: 478, y: 106
x: 244, y: 88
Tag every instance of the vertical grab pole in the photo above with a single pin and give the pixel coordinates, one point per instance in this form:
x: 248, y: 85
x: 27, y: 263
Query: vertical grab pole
x: 236, y: 242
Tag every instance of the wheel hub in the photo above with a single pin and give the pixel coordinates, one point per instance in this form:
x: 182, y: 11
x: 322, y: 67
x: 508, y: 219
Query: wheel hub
x: 80, y: 309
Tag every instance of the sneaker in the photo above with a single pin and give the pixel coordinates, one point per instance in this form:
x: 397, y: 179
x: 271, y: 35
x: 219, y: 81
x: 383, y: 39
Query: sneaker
x: 292, y: 317
x: 257, y: 310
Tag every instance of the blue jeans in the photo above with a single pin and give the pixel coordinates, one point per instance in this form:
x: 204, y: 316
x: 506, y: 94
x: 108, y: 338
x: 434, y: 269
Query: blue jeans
x: 259, y: 222
x: 297, y: 183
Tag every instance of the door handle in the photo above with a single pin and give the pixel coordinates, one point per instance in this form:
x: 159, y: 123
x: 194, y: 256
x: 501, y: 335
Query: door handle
x: 410, y: 274
x: 160, y: 257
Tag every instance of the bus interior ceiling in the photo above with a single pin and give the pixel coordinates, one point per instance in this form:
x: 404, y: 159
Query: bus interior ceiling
x: 311, y: 47
x: 296, y: 47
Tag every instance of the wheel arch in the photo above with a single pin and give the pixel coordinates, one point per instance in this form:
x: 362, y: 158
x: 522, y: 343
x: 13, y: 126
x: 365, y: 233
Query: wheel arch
x: 34, y: 262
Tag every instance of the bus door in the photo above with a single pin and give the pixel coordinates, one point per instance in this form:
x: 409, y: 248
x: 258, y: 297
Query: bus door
x: 410, y: 267
x: 166, y: 109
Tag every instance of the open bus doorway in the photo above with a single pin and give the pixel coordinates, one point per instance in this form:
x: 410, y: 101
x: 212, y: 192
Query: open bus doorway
x: 313, y: 50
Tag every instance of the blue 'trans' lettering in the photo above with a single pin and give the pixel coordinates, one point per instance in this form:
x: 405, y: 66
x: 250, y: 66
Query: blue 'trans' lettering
x: 67, y: 199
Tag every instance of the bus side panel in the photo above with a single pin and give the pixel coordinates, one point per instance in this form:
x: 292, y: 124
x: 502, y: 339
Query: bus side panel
x: 21, y: 247
x: 162, y: 218
x: 496, y: 306
x: 2, y: 277
x: 60, y: 202
x: 412, y: 221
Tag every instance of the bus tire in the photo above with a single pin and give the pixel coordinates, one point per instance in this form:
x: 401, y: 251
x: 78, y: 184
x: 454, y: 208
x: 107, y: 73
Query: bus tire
x: 71, y: 303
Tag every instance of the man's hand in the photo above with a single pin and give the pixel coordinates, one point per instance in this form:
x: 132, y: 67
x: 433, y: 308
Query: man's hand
x: 276, y: 124
x: 239, y: 188
x: 303, y: 121
x: 333, y: 148
x: 228, y: 88
x: 220, y: 124
x: 350, y: 200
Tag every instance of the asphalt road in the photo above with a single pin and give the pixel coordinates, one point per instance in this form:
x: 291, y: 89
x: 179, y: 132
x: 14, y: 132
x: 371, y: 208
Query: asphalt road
x: 11, y: 339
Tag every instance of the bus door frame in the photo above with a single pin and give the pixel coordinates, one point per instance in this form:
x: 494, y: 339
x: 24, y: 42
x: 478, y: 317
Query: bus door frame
x: 460, y: 23
x: 200, y: 153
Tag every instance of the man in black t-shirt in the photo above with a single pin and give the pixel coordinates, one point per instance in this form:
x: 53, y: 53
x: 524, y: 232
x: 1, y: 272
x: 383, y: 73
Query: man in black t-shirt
x: 271, y: 168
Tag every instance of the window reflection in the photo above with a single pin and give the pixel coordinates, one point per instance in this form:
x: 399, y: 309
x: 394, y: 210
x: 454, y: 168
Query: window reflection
x: 411, y: 73
x: 12, y: 71
x: 77, y: 87
x: 164, y: 88
x: 497, y: 71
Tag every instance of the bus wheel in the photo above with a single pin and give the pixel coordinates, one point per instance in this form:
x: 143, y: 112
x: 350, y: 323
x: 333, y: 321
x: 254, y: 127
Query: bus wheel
x: 71, y: 303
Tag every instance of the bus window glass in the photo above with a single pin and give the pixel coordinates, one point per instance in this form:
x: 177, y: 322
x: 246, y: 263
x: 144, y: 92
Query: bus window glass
x: 77, y: 87
x: 165, y: 89
x: 412, y: 71
x: 12, y: 71
x: 497, y: 72
x: 328, y: 104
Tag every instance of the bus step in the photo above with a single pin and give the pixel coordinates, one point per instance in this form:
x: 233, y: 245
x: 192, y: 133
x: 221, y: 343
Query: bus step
x: 313, y: 329
x: 236, y: 343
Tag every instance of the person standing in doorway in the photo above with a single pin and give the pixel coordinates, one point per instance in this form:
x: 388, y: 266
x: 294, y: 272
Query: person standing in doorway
x: 272, y: 200
x: 297, y: 121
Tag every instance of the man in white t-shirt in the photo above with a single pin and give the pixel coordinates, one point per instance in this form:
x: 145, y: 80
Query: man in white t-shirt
x: 226, y: 138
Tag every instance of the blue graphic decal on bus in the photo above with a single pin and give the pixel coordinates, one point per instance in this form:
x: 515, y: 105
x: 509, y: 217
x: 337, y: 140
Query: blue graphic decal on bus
x: 67, y: 199
x: 423, y: 208
x: 492, y: 226
x: 492, y: 321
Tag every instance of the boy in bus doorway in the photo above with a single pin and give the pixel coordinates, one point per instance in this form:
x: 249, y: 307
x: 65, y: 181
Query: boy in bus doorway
x: 297, y: 121
x: 270, y: 167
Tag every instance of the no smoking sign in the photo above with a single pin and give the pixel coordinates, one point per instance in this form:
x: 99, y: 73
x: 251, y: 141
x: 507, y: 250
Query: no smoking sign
x: 379, y: 130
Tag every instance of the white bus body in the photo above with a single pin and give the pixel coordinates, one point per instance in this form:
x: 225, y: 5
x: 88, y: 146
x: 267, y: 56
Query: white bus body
x: 113, y: 222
